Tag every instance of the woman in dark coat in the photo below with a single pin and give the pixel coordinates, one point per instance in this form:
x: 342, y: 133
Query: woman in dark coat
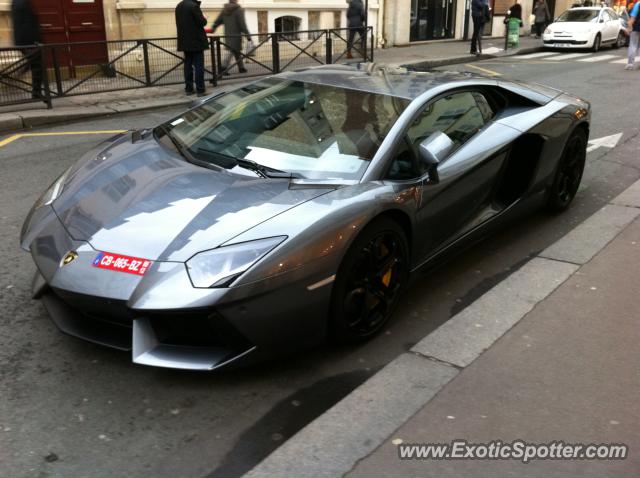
x: 232, y: 17
x: 192, y: 40
x: 26, y: 31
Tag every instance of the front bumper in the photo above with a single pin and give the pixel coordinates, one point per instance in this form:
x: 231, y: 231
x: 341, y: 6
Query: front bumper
x: 573, y: 41
x: 164, y: 321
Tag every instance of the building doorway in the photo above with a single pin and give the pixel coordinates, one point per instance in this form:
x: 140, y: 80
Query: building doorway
x: 71, y: 21
x: 432, y: 19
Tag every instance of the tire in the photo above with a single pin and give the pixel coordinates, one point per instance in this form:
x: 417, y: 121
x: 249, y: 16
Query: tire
x: 369, y: 283
x: 620, y: 41
x: 568, y: 172
x: 596, y: 43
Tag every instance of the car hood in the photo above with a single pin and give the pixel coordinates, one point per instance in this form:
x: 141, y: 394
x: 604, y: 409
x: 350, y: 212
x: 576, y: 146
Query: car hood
x: 142, y: 200
x: 572, y: 27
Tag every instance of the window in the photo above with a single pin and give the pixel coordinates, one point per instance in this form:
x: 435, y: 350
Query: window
x: 459, y: 116
x: 288, y: 25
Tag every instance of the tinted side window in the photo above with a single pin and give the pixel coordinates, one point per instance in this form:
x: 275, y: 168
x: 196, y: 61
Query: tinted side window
x: 458, y: 116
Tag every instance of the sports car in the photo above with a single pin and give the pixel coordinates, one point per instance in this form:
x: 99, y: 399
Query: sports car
x: 294, y: 209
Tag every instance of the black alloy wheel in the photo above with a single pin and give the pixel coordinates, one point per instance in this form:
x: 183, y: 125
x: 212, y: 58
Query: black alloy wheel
x: 596, y: 43
x: 569, y: 172
x: 621, y: 40
x: 370, y: 282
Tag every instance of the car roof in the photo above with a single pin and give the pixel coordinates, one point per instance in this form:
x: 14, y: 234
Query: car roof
x: 398, y: 82
x: 590, y: 8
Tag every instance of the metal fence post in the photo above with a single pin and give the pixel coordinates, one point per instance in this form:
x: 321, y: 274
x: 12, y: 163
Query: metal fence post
x: 275, y: 52
x: 214, y: 64
x: 145, y: 56
x: 45, y: 76
x: 372, y: 43
x: 328, y: 47
x: 218, y: 54
x: 56, y: 70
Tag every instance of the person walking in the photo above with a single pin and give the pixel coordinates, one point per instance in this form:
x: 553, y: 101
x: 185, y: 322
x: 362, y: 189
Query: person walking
x: 633, y: 30
x: 479, y: 15
x: 192, y: 41
x: 235, y: 25
x: 26, y: 32
x: 542, y: 16
x: 355, y: 22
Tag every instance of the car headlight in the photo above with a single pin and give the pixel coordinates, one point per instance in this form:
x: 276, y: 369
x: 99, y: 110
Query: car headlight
x: 52, y: 193
x: 219, y: 267
x: 547, y: 31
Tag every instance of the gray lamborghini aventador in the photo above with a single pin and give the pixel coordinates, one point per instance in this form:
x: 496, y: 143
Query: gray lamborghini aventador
x: 292, y: 209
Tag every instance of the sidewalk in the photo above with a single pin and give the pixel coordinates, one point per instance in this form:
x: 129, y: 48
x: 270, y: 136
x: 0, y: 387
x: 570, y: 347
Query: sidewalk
x: 549, y: 354
x: 87, y: 106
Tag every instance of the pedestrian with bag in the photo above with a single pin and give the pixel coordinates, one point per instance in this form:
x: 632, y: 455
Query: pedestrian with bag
x: 235, y: 25
x: 480, y: 15
x: 541, y: 16
x: 26, y: 32
x: 192, y: 41
x: 633, y: 30
x: 355, y: 22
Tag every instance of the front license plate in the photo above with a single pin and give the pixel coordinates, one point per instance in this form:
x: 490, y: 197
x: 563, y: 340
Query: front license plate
x: 563, y: 45
x: 120, y: 263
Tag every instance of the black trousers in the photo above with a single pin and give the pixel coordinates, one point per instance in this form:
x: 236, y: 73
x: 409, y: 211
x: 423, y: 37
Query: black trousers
x: 539, y: 28
x: 34, y: 57
x: 194, y: 63
x: 352, y: 36
x: 476, y: 38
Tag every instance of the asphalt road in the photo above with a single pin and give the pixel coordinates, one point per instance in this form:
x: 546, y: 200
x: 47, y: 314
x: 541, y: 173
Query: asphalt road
x: 69, y: 408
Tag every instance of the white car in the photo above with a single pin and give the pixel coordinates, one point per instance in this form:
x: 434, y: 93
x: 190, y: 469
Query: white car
x: 585, y: 27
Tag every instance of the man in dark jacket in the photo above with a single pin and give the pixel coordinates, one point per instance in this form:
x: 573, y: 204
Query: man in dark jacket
x: 192, y: 40
x: 26, y: 31
x: 355, y: 22
x: 232, y: 17
x: 479, y: 15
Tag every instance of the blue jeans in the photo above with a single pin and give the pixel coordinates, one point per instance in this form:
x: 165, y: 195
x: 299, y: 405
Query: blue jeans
x: 634, y: 42
x: 194, y: 60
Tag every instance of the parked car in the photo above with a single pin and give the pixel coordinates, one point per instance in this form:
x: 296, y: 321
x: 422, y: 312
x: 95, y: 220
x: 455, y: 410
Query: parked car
x: 586, y: 27
x: 293, y: 208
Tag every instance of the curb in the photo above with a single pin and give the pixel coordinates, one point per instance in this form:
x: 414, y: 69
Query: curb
x: 33, y: 118
x: 333, y: 443
x: 456, y: 60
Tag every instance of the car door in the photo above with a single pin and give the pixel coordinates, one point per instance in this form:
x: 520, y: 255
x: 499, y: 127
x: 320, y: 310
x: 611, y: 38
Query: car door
x: 463, y: 194
x: 609, y: 30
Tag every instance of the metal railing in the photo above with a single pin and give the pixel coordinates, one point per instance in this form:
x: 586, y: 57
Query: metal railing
x: 41, y: 73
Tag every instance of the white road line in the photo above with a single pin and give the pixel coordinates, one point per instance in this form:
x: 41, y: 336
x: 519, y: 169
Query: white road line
x: 623, y: 61
x: 535, y: 55
x: 491, y: 50
x: 599, y: 58
x: 568, y: 57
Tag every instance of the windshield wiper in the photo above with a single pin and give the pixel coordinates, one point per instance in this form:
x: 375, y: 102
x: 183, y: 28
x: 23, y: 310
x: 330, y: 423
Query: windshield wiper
x: 262, y: 170
x: 265, y: 171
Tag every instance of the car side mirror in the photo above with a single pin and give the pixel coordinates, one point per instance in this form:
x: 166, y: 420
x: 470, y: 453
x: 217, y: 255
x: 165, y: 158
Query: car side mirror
x: 432, y: 151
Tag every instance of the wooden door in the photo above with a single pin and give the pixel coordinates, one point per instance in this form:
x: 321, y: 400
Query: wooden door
x: 72, y: 21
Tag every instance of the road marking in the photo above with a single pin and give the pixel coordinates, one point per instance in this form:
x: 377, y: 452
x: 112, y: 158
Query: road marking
x: 623, y: 61
x: 599, y: 58
x: 535, y: 55
x: 567, y: 57
x: 484, y: 70
x: 15, y: 137
x: 491, y: 50
x: 605, y: 142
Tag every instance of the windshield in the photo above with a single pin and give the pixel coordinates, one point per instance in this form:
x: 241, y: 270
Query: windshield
x: 579, y: 16
x: 312, y: 131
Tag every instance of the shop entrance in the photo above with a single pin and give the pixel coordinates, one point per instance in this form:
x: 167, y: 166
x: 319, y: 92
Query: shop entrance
x: 432, y: 19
